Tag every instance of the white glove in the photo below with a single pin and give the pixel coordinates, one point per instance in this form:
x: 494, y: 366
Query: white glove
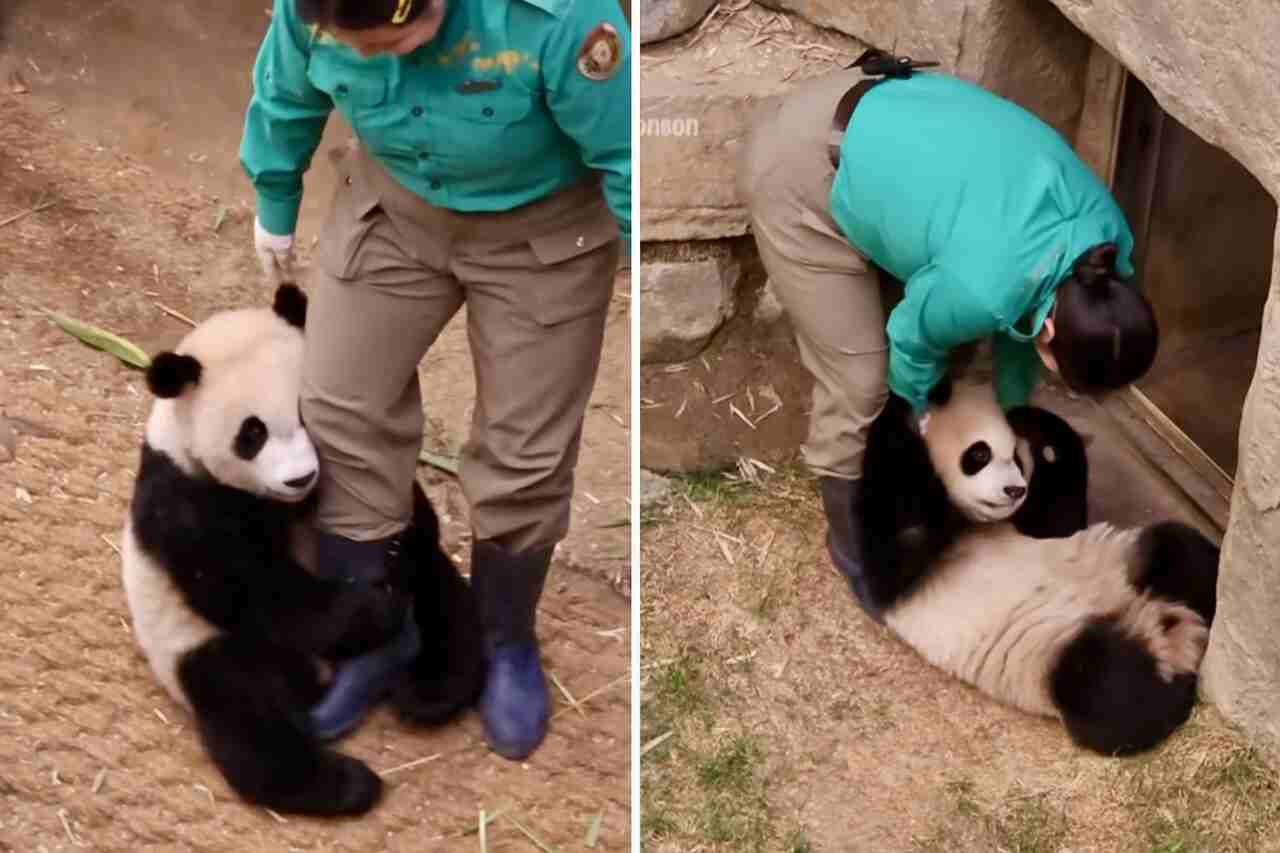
x: 275, y: 254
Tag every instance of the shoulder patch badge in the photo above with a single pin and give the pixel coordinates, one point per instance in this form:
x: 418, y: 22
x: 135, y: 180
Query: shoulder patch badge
x: 601, y: 53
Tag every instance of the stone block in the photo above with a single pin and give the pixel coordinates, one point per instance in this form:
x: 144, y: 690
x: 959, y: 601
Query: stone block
x: 690, y: 138
x: 768, y: 309
x: 662, y: 19
x: 682, y: 304
x: 1025, y: 51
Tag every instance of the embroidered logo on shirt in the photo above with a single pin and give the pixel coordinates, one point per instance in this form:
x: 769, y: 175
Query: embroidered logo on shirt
x: 600, y: 54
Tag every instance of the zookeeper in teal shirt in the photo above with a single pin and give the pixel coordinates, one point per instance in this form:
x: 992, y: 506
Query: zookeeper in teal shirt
x: 492, y: 170
x: 994, y: 225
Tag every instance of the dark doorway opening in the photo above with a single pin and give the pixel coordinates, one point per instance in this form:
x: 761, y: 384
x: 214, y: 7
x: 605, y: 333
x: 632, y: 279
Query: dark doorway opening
x: 1204, y: 229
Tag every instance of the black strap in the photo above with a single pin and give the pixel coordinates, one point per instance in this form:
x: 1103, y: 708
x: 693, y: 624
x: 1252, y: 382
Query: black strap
x: 844, y: 112
x: 878, y: 63
x: 878, y: 66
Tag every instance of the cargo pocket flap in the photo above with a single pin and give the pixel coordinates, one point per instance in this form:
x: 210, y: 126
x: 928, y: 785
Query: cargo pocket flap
x: 351, y: 217
x: 568, y: 243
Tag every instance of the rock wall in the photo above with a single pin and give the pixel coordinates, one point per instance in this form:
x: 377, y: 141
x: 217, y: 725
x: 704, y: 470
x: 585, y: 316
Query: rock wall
x: 1024, y: 50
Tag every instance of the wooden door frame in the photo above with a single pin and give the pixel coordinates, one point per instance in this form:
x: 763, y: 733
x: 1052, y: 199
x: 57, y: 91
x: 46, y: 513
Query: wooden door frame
x: 1155, y: 436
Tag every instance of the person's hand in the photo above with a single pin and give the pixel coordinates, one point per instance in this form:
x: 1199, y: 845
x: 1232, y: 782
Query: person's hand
x: 275, y: 254
x: 918, y: 423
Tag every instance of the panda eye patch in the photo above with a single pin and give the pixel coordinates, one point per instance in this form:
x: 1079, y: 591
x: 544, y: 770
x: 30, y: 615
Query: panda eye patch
x: 251, y: 437
x: 975, y: 458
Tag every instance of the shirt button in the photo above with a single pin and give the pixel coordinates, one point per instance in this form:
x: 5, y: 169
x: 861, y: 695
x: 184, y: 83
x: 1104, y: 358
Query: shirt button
x: 435, y: 185
x: 488, y: 112
x: 417, y: 111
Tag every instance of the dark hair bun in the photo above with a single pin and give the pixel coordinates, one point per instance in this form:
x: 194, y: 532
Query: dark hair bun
x: 1096, y: 266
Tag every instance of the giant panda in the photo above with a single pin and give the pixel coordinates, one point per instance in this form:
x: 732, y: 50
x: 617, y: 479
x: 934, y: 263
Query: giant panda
x: 1100, y: 627
x: 233, y: 625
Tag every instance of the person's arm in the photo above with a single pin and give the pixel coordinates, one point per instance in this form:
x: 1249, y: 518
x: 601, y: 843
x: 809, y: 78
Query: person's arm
x: 935, y: 316
x: 1017, y: 370
x: 596, y: 114
x: 284, y: 122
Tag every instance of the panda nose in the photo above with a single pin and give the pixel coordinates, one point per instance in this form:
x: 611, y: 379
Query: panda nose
x: 1015, y: 492
x: 300, y: 482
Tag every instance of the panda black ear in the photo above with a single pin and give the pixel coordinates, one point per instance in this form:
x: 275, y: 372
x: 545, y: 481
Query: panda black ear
x: 291, y: 305
x: 941, y: 393
x: 170, y: 373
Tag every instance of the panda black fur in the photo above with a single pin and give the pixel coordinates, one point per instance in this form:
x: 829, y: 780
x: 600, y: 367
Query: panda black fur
x: 1100, y: 627
x: 1057, y: 489
x: 231, y: 622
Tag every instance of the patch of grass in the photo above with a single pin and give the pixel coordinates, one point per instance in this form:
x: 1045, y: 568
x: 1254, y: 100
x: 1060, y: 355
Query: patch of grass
x: 711, y: 486
x: 1022, y: 824
x: 742, y: 823
x: 656, y: 824
x: 1242, y: 771
x: 1031, y: 826
x: 735, y: 809
x: 678, y: 693
x: 732, y: 767
x: 961, y: 792
x: 798, y: 842
x: 651, y: 516
x: 1179, y: 843
x: 714, y: 794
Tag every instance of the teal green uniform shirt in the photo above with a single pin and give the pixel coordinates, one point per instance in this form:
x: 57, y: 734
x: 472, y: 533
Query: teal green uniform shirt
x: 981, y: 209
x: 491, y: 114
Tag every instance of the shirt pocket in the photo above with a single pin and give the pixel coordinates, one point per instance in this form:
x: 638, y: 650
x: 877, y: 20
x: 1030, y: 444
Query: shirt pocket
x: 359, y: 93
x: 495, y: 109
x: 479, y: 129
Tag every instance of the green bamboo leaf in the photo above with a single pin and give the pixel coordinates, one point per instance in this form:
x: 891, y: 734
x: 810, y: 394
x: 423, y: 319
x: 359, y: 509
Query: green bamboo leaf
x: 444, y: 463
x: 101, y: 339
x: 593, y: 831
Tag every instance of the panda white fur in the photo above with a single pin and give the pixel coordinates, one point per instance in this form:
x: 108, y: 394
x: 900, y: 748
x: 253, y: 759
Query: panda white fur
x: 230, y: 621
x: 1101, y: 627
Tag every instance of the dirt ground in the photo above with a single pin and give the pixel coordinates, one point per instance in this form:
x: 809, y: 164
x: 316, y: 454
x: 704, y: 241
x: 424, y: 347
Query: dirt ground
x: 125, y: 121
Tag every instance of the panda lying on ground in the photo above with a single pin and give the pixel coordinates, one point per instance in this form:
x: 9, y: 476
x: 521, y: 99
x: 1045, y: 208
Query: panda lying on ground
x: 1100, y: 627
x: 229, y: 619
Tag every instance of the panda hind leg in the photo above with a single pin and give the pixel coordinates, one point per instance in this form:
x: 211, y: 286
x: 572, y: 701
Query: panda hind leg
x: 246, y: 702
x: 1177, y: 563
x: 448, y: 674
x: 1111, y: 695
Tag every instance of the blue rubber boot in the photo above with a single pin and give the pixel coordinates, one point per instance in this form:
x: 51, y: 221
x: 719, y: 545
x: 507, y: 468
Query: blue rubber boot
x: 842, y: 502
x: 361, y: 682
x: 515, y: 706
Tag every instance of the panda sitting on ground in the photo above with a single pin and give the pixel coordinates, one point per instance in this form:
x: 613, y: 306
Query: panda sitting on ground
x: 214, y: 567
x: 1100, y: 627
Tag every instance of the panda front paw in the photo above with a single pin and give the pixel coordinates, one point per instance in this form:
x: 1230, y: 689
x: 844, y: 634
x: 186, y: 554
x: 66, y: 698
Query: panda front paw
x: 374, y: 615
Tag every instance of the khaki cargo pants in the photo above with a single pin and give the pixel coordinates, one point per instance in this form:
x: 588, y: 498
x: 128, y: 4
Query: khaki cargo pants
x: 390, y: 272
x: 831, y: 293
